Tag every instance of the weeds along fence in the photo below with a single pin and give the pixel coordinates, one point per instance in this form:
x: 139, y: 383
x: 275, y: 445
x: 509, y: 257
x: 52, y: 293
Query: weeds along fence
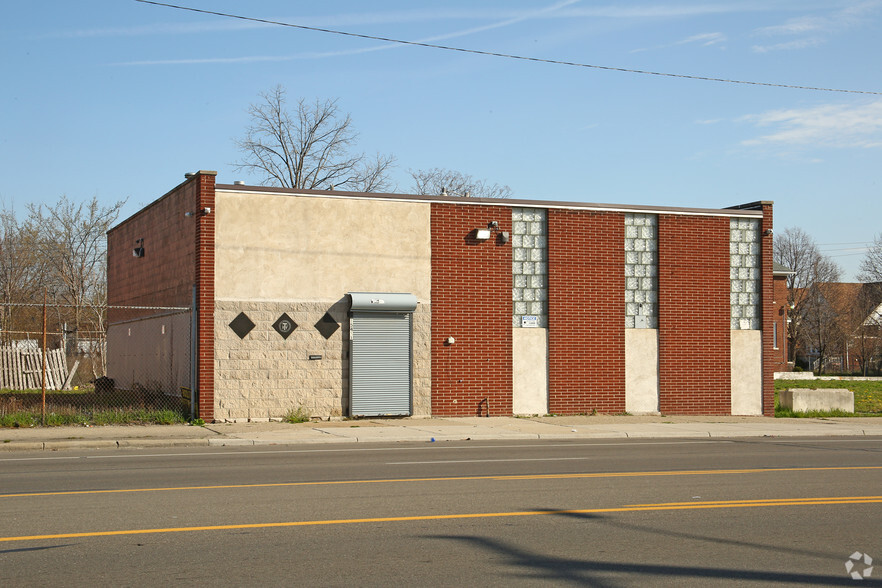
x: 124, y: 359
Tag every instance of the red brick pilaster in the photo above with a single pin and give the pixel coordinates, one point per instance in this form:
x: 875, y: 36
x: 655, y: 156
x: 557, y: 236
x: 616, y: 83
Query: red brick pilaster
x: 769, y: 312
x: 205, y: 292
x: 586, y: 311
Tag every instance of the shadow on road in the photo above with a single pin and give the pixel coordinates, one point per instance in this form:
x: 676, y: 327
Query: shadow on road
x: 536, y: 566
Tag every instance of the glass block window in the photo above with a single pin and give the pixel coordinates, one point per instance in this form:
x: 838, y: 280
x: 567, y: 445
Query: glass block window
x: 641, y: 271
x: 529, y: 265
x: 744, y: 272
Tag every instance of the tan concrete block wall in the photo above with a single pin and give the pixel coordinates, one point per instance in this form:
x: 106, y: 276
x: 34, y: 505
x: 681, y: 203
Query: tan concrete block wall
x: 422, y: 360
x: 265, y: 376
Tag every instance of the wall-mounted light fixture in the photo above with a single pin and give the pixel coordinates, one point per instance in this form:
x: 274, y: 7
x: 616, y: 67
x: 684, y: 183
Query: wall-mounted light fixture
x: 203, y: 212
x: 767, y: 232
x: 492, y: 227
x: 138, y: 251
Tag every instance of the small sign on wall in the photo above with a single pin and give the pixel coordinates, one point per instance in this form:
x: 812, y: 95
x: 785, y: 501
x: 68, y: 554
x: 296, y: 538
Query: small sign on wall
x: 529, y: 320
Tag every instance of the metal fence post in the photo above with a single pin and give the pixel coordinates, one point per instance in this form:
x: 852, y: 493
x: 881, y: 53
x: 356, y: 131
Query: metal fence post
x: 43, y: 409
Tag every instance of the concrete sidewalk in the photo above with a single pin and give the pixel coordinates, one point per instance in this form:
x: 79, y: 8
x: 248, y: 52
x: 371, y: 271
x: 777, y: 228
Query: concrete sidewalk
x: 428, y: 430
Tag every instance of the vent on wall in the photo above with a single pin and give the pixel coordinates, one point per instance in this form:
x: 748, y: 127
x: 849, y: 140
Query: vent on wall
x: 138, y: 251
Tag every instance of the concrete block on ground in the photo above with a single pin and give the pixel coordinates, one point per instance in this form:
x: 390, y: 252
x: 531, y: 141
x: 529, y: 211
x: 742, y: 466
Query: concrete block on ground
x: 794, y: 376
x: 824, y: 399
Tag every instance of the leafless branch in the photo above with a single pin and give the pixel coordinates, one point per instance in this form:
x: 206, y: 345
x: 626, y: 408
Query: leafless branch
x: 435, y: 181
x: 871, y: 264
x: 310, y: 147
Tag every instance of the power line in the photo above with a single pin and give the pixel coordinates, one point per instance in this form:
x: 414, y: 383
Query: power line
x: 858, y: 249
x: 847, y: 254
x: 504, y: 55
x: 847, y: 243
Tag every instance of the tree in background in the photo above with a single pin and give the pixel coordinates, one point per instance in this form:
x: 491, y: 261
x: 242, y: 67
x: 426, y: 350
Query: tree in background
x: 871, y: 264
x: 863, y: 321
x: 868, y: 337
x: 307, y: 147
x: 810, y: 326
x: 438, y: 181
x: 21, y: 270
x: 822, y: 328
x: 71, y: 242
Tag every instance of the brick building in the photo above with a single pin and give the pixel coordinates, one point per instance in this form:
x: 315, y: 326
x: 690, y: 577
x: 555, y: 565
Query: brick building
x: 780, y: 340
x: 365, y: 304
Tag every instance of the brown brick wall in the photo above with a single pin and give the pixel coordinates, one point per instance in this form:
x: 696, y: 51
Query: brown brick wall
x: 694, y: 315
x: 586, y: 312
x: 471, y: 302
x: 165, y: 275
x: 178, y: 254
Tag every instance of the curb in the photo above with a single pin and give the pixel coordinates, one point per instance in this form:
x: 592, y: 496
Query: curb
x: 22, y: 446
x: 99, y: 444
x: 393, y: 435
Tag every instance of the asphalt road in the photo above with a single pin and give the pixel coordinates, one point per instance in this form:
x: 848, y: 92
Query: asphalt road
x: 607, y: 513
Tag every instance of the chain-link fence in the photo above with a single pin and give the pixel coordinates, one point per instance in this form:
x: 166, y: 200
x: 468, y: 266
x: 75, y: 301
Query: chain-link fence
x: 101, y: 364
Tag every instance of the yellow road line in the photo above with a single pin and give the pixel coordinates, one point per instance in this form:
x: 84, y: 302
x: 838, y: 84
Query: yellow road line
x: 794, y: 501
x: 451, y: 479
x: 529, y: 513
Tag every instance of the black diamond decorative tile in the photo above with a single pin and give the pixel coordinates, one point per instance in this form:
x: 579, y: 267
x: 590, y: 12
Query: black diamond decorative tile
x: 242, y: 325
x: 284, y: 325
x: 327, y: 326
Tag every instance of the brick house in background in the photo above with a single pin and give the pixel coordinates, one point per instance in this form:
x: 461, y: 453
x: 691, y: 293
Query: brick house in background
x: 780, y: 338
x: 846, y: 317
x: 367, y: 304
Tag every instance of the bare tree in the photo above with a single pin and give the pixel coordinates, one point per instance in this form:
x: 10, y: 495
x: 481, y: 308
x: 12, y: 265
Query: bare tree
x: 871, y: 264
x: 864, y: 326
x: 822, y: 324
x: 439, y: 181
x: 808, y: 327
x: 309, y: 147
x: 71, y: 241
x: 21, y: 269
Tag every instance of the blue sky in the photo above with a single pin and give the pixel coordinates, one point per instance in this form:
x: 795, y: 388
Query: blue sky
x: 119, y: 99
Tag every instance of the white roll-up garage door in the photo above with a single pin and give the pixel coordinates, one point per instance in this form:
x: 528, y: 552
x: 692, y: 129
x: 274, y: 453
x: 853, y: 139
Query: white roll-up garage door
x: 380, y: 354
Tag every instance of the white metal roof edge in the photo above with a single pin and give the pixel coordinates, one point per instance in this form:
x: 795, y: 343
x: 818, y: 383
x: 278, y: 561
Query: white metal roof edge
x: 639, y: 209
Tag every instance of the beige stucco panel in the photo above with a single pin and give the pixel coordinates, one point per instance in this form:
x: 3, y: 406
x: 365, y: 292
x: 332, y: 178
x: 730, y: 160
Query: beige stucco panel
x: 305, y: 248
x: 641, y: 371
x: 530, y: 371
x: 747, y: 373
